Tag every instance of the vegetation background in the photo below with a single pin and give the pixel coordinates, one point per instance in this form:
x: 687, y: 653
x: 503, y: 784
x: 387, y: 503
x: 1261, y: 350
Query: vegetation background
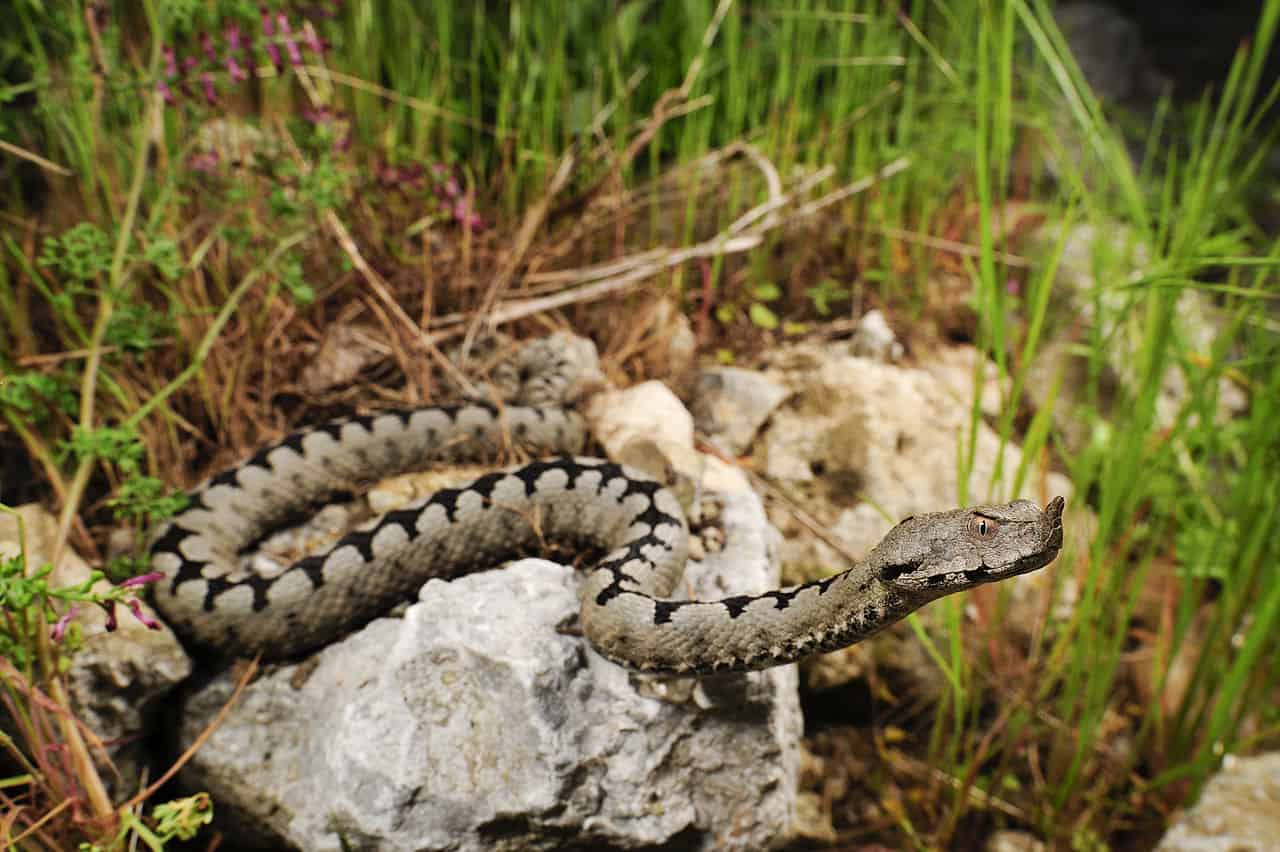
x: 195, y: 191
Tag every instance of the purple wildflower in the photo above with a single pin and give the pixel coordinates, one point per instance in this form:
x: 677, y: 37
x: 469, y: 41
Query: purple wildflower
x: 206, y: 162
x: 165, y: 92
x: 269, y: 31
x: 141, y: 579
x: 206, y: 45
x: 170, y: 61
x: 1012, y: 287
x: 189, y: 64
x: 63, y: 622
x: 412, y: 175
x: 135, y: 607
x: 236, y: 71
x: 311, y: 38
x: 318, y: 115
x: 210, y: 91
x: 466, y: 217
x: 233, y: 38
x: 290, y: 45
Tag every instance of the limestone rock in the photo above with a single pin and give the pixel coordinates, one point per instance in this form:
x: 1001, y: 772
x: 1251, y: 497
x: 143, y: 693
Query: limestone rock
x: 730, y: 405
x: 874, y: 339
x: 472, y: 723
x: 1094, y: 261
x: 859, y: 445
x: 1239, y: 810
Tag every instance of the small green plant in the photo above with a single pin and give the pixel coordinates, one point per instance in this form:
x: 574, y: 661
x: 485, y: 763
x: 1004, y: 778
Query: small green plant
x: 757, y: 304
x: 38, y: 396
x: 179, y: 819
x: 140, y: 500
x: 39, y: 634
x: 826, y: 293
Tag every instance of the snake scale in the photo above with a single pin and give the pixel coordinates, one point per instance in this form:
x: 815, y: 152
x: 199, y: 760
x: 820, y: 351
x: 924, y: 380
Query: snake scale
x: 636, y: 527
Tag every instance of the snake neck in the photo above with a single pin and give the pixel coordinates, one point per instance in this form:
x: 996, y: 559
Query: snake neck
x: 746, y: 632
x: 852, y: 606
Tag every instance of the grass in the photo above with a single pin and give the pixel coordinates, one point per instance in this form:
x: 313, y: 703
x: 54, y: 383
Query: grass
x: 181, y: 311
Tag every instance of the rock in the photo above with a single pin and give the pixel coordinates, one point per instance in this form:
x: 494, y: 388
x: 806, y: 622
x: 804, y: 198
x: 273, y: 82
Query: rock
x: 647, y: 427
x: 1008, y: 840
x: 472, y: 723
x: 730, y: 405
x: 1109, y: 50
x: 1092, y: 255
x: 888, y: 450
x: 874, y: 339
x: 672, y: 351
x: 860, y: 445
x: 954, y: 368
x: 950, y: 306
x: 1238, y: 811
x: 346, y: 351
x: 648, y: 410
x: 1106, y: 45
x: 117, y: 678
x: 231, y: 143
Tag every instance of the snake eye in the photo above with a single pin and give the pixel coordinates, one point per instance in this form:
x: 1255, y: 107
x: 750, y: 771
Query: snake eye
x: 984, y: 529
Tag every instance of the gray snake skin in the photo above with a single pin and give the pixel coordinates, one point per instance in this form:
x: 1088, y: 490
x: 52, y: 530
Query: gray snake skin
x: 586, y: 504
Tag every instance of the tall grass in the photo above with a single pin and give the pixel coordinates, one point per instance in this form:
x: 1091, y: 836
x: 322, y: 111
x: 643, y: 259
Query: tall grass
x: 960, y: 91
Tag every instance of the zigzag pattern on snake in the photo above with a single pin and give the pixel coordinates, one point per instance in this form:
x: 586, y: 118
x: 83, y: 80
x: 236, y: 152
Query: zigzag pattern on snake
x: 584, y: 503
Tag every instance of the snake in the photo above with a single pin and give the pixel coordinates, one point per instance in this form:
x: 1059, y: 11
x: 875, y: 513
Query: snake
x: 631, y: 528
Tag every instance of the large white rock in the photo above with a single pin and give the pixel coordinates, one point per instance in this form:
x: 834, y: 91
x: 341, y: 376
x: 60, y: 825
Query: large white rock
x: 1239, y: 810
x: 473, y: 723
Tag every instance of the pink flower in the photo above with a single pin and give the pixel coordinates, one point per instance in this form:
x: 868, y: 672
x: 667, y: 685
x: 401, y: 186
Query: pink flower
x: 295, y: 55
x: 63, y: 622
x: 206, y: 162
x: 206, y: 45
x: 210, y: 91
x: 235, y: 70
x: 269, y: 31
x: 135, y: 607
x: 170, y: 61
x: 233, y: 38
x: 311, y: 39
x: 165, y: 92
x: 318, y: 115
x: 465, y: 217
x: 141, y: 579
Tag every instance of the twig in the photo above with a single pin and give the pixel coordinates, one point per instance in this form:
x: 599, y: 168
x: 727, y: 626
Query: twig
x: 380, y: 289
x: 215, y: 329
x: 745, y: 233
x: 862, y: 185
x: 529, y: 226
x: 952, y: 246
x: 250, y: 670
x: 47, y: 165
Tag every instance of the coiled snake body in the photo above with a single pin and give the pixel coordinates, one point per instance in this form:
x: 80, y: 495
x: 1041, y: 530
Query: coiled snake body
x: 578, y: 501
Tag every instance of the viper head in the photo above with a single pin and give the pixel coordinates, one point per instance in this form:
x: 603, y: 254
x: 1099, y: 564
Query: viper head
x: 928, y: 556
